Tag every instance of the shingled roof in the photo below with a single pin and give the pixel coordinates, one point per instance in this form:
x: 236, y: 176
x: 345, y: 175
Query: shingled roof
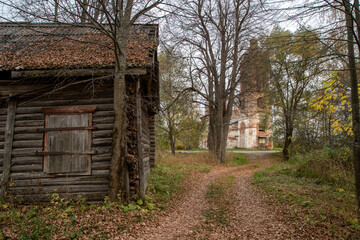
x: 54, y: 46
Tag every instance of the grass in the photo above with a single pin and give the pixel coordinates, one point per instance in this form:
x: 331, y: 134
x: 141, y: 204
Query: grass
x: 219, y: 202
x: 65, y: 219
x: 316, y: 205
x: 234, y: 149
x: 239, y: 159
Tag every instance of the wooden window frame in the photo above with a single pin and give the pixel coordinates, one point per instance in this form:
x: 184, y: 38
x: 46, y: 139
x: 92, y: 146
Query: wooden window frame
x: 71, y: 110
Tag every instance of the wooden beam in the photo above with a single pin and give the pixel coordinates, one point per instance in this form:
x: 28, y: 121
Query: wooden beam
x: 9, y: 135
x: 66, y: 110
x: 19, y: 74
x: 139, y: 142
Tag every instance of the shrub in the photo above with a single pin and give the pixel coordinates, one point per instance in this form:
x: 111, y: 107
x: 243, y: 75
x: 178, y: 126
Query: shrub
x: 326, y: 165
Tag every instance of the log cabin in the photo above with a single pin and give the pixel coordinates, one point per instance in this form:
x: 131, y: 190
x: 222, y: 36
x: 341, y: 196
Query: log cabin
x: 56, y: 110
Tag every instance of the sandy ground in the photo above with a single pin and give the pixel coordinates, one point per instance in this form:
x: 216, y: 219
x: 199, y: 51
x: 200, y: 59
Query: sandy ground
x: 251, y: 217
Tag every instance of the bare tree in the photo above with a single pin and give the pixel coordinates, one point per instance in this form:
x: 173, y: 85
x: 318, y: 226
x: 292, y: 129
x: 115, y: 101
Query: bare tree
x: 212, y: 32
x: 119, y: 17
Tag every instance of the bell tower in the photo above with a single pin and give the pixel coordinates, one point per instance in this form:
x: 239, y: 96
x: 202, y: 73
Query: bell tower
x: 255, y: 112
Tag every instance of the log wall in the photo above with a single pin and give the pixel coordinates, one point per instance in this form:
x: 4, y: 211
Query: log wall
x: 28, y: 182
x: 3, y: 110
x: 145, y: 140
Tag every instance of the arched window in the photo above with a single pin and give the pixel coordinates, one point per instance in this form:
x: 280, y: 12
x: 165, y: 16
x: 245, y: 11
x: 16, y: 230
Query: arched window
x: 261, y: 103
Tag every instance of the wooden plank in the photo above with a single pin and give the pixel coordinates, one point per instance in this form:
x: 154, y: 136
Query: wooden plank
x: 30, y: 116
x: 102, y: 142
x: 102, y: 134
x: 100, y: 165
x: 107, y: 126
x: 29, y: 123
x: 9, y: 133
x: 40, y: 175
x: 27, y: 168
x: 101, y: 157
x: 67, y: 151
x: 91, y: 197
x: 59, y: 189
x: 29, y: 136
x: 64, y: 129
x: 28, y: 144
x: 152, y: 140
x: 142, y: 187
x: 27, y: 160
x: 103, y: 120
x: 23, y: 152
x: 67, y: 110
x: 100, y: 114
x: 20, y: 74
x: 49, y: 101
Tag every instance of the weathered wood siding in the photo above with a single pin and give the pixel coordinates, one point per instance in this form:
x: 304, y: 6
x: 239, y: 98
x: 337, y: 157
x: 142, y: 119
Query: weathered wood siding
x: 28, y: 180
x: 3, y: 110
x: 145, y: 139
x: 152, y: 140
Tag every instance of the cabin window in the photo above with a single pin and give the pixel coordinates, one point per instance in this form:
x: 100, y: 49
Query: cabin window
x: 67, y: 141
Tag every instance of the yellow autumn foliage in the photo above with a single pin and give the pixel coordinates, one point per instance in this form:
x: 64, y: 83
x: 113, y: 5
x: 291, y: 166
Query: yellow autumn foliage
x: 333, y: 98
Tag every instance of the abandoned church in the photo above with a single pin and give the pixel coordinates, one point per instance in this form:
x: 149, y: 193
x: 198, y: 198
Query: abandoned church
x: 251, y: 119
x: 56, y: 110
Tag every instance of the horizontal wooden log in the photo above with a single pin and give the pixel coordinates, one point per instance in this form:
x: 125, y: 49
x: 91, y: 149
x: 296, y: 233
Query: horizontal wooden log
x: 102, y: 134
x: 30, y: 116
x: 27, y: 160
x: 19, y: 130
x: 26, y: 168
x: 47, y: 102
x: 58, y: 189
x: 103, y: 120
x: 102, y: 142
x: 23, y: 152
x: 19, y: 74
x: 69, y: 109
x: 101, y: 158
x: 145, y: 141
x: 53, y: 110
x: 102, y: 149
x: 105, y: 107
x: 100, y: 114
x: 28, y: 144
x: 60, y: 181
x: 3, y: 111
x: 64, y: 129
x: 14, y: 89
x: 28, y: 136
x: 29, y: 123
x: 107, y: 126
x: 100, y: 165
x: 38, y: 175
x: 91, y: 197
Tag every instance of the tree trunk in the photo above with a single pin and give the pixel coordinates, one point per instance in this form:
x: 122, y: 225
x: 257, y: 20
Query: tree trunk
x: 354, y: 98
x: 84, y: 9
x: 288, y: 136
x: 172, y: 141
x: 56, y: 11
x: 118, y: 168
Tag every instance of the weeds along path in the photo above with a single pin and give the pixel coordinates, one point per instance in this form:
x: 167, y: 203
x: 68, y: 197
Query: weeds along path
x: 178, y: 222
x: 249, y: 216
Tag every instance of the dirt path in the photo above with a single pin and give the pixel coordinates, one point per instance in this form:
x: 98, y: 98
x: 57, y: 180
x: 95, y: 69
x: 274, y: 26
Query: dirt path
x: 251, y: 218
